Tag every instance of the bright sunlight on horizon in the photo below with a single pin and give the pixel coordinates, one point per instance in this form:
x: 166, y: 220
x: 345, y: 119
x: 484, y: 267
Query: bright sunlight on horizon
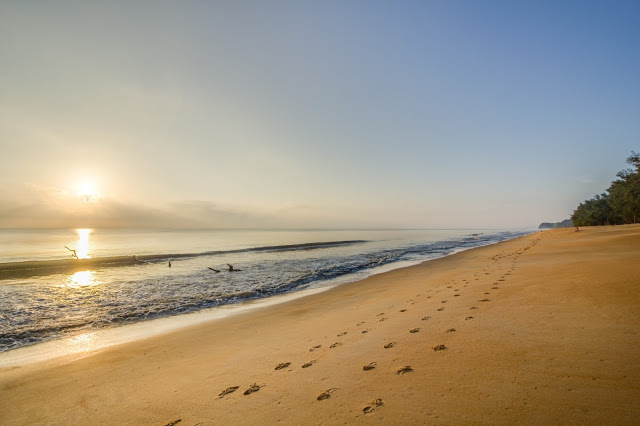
x: 88, y: 192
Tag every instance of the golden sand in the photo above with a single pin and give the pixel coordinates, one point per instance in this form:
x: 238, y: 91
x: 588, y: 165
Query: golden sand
x: 542, y: 329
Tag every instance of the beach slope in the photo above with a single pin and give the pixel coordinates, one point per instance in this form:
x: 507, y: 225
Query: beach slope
x: 536, y: 330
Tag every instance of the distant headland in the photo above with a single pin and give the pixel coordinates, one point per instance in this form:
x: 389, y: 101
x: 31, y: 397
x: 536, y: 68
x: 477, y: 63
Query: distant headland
x: 567, y: 223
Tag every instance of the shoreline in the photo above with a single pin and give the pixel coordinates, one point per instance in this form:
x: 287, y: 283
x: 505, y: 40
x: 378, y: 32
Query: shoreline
x: 553, y: 341
x: 86, y: 343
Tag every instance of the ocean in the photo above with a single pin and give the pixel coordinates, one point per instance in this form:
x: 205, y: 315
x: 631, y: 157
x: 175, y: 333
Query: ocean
x: 122, y: 276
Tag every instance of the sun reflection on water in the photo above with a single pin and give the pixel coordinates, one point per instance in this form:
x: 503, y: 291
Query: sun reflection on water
x: 83, y: 243
x: 81, y: 279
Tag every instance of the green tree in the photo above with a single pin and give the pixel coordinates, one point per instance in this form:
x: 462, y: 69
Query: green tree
x: 624, y: 193
x: 618, y: 205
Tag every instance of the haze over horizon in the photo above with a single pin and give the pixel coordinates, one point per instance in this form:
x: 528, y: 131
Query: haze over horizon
x: 280, y: 114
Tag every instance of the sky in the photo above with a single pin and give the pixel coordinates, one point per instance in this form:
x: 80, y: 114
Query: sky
x: 300, y: 114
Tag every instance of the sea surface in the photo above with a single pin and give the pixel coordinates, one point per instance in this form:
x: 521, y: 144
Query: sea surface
x: 41, y: 304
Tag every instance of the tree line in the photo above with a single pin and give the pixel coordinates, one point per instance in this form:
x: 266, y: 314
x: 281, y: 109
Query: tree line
x: 618, y: 205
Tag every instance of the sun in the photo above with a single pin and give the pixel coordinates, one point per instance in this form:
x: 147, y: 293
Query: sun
x: 88, y: 192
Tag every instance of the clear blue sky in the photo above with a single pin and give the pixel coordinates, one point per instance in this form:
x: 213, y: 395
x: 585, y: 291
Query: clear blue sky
x: 313, y: 114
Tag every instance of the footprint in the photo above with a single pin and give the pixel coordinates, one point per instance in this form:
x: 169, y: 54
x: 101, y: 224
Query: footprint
x: 404, y: 369
x: 372, y: 406
x: 364, y: 331
x: 425, y: 318
x: 449, y: 286
x: 370, y: 366
x: 456, y: 295
x: 437, y: 348
x: 282, y: 365
x: 174, y: 422
x: 380, y: 314
x: 335, y: 345
x: 494, y: 288
x: 441, y: 309
x: 253, y: 388
x: 308, y: 364
x: 484, y: 300
x: 326, y: 394
x: 414, y: 330
x: 341, y: 334
x: 450, y: 330
x: 227, y: 391
x: 381, y: 319
x: 389, y: 345
x: 403, y: 310
x: 486, y: 293
x: 315, y: 347
x: 444, y: 301
x: 468, y: 318
x: 473, y: 307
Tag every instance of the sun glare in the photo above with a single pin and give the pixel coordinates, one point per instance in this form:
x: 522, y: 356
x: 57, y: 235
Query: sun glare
x: 88, y: 192
x: 81, y: 279
x: 82, y: 249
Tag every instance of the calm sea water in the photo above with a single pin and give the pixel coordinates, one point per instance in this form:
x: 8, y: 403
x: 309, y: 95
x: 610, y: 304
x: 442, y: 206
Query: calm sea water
x: 46, y: 306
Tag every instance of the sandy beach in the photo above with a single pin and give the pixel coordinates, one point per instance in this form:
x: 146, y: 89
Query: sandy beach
x: 542, y: 329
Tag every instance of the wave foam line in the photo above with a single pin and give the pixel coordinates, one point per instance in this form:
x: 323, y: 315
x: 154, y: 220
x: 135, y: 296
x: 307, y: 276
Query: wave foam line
x: 47, y: 267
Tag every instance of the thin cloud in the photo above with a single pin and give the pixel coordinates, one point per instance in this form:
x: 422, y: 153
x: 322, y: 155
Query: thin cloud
x: 41, y: 207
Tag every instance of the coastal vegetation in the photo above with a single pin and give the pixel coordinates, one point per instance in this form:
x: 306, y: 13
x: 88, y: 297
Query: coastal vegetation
x: 620, y: 204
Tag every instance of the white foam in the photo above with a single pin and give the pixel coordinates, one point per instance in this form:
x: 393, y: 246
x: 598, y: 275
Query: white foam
x: 81, y: 345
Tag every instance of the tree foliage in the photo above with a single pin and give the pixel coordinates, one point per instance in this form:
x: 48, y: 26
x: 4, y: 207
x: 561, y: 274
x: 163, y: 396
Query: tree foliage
x: 618, y: 205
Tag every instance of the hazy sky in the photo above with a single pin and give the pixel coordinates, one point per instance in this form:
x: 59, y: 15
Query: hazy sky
x: 313, y: 114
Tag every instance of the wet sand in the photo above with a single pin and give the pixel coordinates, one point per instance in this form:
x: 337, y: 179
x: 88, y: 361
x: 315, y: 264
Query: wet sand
x: 537, y: 330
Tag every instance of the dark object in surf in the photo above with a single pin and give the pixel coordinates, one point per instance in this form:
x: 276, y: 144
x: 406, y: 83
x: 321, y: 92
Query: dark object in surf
x: 232, y: 269
x: 73, y: 252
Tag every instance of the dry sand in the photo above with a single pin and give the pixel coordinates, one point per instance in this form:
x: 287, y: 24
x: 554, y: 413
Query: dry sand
x: 546, y: 332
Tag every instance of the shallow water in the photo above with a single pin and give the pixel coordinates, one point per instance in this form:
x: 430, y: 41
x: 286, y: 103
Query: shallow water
x: 40, y: 306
